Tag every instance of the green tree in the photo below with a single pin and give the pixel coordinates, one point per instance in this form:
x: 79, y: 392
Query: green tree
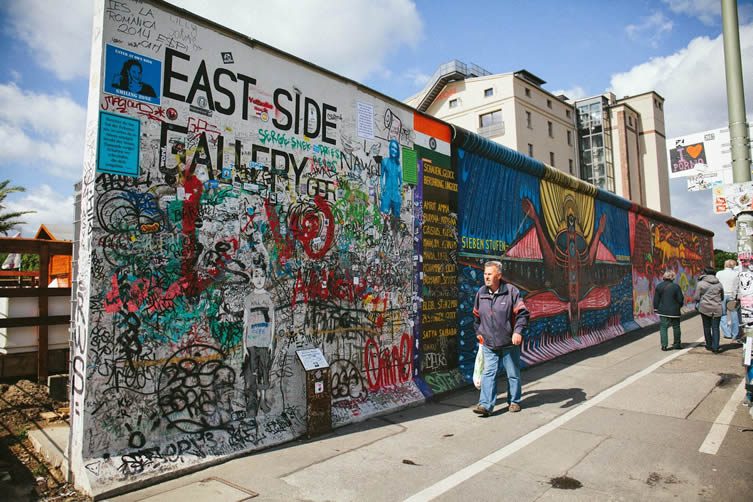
x: 721, y: 256
x: 8, y: 220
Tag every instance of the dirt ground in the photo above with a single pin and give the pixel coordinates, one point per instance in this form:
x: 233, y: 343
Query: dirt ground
x: 24, y: 476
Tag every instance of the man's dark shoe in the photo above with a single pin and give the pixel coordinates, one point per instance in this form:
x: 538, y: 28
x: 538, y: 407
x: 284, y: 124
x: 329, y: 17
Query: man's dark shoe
x: 664, y: 348
x: 514, y: 407
x: 480, y: 410
x: 677, y: 346
x: 716, y: 351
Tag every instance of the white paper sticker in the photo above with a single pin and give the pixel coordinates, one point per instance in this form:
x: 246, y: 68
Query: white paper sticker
x: 365, y: 120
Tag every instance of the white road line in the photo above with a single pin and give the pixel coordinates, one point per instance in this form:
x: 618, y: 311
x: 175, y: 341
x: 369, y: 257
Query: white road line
x: 453, y: 480
x: 719, y: 430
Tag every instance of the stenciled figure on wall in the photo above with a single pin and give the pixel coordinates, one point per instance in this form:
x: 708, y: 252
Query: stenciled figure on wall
x: 258, y: 338
x: 391, y: 185
x: 190, y: 193
x: 129, y: 79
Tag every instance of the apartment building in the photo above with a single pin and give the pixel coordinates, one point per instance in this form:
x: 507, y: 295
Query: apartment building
x: 616, y: 144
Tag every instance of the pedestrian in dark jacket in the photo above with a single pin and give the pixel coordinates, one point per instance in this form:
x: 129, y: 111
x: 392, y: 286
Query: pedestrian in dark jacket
x: 500, y: 318
x: 668, y: 300
x: 709, y: 295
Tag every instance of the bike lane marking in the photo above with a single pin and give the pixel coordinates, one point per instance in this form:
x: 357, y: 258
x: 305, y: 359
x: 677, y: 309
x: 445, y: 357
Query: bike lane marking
x: 719, y: 429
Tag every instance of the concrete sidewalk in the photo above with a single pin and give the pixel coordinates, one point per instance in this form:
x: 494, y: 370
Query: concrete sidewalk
x: 620, y: 421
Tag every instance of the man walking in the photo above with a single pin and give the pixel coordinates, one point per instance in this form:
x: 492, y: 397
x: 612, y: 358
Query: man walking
x: 499, y: 318
x: 668, y: 301
x: 730, y: 280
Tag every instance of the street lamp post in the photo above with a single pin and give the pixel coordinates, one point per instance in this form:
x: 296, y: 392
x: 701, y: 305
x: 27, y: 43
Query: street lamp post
x: 739, y: 143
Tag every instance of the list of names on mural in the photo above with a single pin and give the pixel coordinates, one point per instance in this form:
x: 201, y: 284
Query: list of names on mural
x: 440, y: 304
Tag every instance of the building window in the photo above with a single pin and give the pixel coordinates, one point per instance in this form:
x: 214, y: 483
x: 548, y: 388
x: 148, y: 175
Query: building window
x: 453, y: 103
x: 567, y: 113
x: 551, y: 159
x: 595, y: 143
x: 569, y: 138
x: 528, y: 92
x: 630, y: 120
x: 550, y: 128
x: 530, y: 149
x: 489, y: 119
x: 548, y: 103
x: 488, y: 92
x: 528, y: 120
x: 570, y: 165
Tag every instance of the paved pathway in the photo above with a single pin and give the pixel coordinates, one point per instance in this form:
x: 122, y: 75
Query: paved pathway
x: 621, y: 421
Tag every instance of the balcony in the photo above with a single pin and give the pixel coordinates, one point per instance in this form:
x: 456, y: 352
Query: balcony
x: 449, y: 72
x: 492, y: 130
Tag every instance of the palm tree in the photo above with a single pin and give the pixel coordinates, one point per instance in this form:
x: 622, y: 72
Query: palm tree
x: 8, y: 220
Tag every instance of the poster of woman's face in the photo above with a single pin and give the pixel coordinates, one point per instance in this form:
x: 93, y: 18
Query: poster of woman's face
x: 132, y: 75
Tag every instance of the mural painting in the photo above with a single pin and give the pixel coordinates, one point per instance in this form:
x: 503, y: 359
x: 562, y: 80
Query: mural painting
x: 566, y: 250
x: 586, y: 261
x: 437, y: 266
x: 656, y: 246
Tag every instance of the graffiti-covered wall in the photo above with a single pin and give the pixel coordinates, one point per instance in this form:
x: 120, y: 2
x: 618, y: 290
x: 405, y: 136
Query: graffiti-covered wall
x: 242, y: 205
x: 586, y: 261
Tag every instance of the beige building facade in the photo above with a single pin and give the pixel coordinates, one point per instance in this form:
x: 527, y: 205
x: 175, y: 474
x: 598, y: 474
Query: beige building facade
x: 616, y: 144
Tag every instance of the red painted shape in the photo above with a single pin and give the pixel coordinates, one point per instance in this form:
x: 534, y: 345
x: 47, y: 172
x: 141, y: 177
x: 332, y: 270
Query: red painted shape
x: 390, y: 366
x: 527, y: 247
x: 307, y: 227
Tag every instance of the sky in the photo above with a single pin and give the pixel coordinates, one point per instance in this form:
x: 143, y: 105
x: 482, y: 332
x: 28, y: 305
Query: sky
x: 580, y: 48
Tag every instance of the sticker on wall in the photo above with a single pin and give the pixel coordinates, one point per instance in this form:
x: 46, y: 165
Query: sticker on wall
x: 118, y: 150
x: 410, y: 166
x: 365, y: 120
x: 132, y: 75
x: 685, y: 158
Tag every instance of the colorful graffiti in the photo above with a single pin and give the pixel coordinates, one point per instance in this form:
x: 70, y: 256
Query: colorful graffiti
x: 236, y: 219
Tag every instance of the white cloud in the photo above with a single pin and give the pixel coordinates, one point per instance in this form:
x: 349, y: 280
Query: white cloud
x: 42, y: 129
x: 351, y: 37
x: 708, y: 11
x: 650, y: 29
x: 51, y: 208
x: 59, y: 33
x: 576, y: 92
x: 692, y: 81
x: 417, y: 78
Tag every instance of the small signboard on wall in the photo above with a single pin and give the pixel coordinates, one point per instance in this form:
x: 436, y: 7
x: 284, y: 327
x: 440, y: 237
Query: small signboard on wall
x: 312, y: 359
x: 118, y: 151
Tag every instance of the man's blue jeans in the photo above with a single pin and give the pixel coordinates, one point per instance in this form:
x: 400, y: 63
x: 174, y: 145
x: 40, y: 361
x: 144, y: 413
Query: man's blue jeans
x: 731, y: 330
x: 509, y: 358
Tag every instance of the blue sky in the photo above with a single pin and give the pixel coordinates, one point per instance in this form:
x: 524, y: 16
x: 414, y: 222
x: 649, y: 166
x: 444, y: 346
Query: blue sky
x: 579, y: 47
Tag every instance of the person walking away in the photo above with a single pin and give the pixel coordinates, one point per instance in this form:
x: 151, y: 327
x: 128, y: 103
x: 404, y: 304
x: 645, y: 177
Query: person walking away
x: 500, y: 315
x: 730, y: 279
x: 668, y: 300
x: 709, y: 294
